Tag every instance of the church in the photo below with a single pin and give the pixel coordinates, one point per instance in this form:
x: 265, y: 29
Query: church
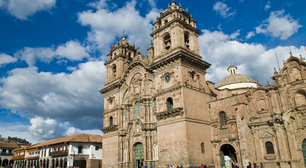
x: 160, y: 110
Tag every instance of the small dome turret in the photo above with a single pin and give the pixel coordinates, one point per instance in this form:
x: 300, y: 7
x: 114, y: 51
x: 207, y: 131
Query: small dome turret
x: 235, y: 80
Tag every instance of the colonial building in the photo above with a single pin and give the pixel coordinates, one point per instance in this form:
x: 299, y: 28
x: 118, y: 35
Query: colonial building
x: 160, y: 110
x: 81, y: 150
x: 6, y: 152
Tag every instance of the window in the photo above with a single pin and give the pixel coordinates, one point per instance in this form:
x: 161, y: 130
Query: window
x: 300, y: 98
x: 269, y: 148
x: 137, y: 108
x: 222, y: 117
x: 154, y: 103
x: 110, y: 121
x: 97, y: 147
x: 202, y: 148
x: 167, y: 41
x: 186, y: 37
x: 80, y: 149
x: 169, y: 103
x: 114, y: 70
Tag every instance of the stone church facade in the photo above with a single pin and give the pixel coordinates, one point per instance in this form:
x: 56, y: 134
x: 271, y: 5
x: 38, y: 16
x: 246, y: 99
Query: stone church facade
x: 160, y: 110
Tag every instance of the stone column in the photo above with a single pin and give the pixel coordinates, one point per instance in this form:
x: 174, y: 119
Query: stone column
x: 282, y: 146
x: 150, y: 147
x: 50, y: 163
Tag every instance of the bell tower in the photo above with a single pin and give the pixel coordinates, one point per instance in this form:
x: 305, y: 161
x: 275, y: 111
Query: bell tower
x: 175, y: 29
x: 182, y: 91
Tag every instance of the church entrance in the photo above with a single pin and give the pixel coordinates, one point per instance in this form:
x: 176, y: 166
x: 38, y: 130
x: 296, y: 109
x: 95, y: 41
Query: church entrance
x: 138, y: 155
x: 304, y: 151
x: 228, y: 155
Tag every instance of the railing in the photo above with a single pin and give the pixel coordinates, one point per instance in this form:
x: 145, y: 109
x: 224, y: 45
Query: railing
x: 6, y: 154
x: 33, y: 156
x: 59, y: 153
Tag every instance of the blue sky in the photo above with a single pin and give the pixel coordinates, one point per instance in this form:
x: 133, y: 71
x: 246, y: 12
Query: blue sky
x: 52, y: 53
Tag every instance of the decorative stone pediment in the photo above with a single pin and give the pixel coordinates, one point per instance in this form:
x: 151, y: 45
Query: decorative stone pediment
x: 270, y: 157
x: 301, y: 108
x: 109, y: 129
x: 169, y: 113
x: 267, y: 134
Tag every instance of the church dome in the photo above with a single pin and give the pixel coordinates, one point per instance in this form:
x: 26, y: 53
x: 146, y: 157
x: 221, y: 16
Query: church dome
x: 234, y: 80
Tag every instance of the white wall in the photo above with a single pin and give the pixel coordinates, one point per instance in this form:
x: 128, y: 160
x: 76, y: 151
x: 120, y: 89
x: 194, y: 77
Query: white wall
x: 239, y: 85
x: 96, y: 154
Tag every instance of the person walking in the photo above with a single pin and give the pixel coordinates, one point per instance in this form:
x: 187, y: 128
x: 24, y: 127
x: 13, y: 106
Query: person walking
x: 151, y: 165
x: 181, y: 166
x: 237, y: 165
x: 249, y: 165
x: 205, y: 165
x: 145, y: 166
x: 202, y: 166
x: 254, y: 165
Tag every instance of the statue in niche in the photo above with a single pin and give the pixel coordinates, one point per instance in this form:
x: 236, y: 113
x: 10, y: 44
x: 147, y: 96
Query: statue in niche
x: 155, y: 151
x: 125, y: 155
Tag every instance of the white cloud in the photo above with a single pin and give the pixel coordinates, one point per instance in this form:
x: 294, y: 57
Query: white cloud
x: 240, y: 1
x: 45, y: 129
x: 253, y: 60
x: 24, y: 8
x: 268, y: 6
x: 250, y: 34
x: 31, y: 54
x: 106, y: 25
x: 222, y: 9
x: 6, y: 59
x: 72, y: 50
x: 62, y: 97
x: 278, y: 25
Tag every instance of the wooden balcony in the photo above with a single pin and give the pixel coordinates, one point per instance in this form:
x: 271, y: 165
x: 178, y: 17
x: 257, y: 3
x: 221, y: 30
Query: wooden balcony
x: 6, y: 154
x: 21, y: 157
x: 58, y: 153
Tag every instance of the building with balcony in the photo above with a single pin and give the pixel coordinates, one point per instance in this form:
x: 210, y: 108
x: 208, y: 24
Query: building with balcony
x: 6, y: 152
x: 81, y: 150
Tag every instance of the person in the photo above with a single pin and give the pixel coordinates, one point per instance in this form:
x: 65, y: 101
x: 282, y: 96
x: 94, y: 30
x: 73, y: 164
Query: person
x: 223, y: 166
x: 249, y: 165
x: 205, y: 165
x: 181, y: 166
x: 237, y: 165
x: 145, y: 166
x: 177, y: 166
x: 202, y: 166
x: 254, y: 165
x: 170, y: 166
x: 151, y: 165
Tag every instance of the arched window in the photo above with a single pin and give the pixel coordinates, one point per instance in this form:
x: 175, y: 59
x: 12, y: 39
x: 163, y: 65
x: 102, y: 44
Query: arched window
x: 137, y: 108
x: 167, y: 41
x: 154, y: 103
x: 186, y: 37
x: 202, y: 148
x: 295, y: 74
x: 300, y: 99
x: 269, y: 148
x: 169, y: 103
x: 111, y: 121
x: 262, y: 105
x: 114, y: 70
x: 222, y: 117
